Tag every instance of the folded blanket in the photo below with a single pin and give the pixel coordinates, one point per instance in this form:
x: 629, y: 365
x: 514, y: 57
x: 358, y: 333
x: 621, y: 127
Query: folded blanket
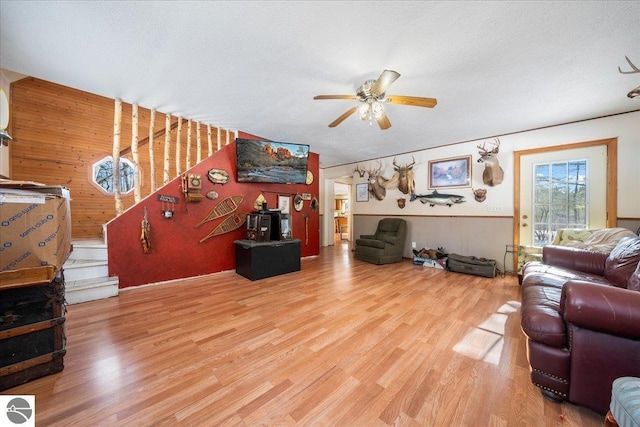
x: 600, y: 240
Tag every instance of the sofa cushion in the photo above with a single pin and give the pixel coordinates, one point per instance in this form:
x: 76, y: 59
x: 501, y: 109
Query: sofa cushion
x: 623, y: 261
x: 537, y: 273
x: 372, y: 243
x: 540, y: 319
x: 633, y: 283
x: 583, y: 260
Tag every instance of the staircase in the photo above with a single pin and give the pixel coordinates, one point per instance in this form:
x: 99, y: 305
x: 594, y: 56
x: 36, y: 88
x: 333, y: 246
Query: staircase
x: 86, y: 273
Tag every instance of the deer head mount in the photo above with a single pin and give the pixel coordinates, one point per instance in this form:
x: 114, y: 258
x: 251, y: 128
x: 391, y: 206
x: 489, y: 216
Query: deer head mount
x: 361, y: 171
x: 404, y: 176
x: 377, y: 182
x: 635, y: 92
x: 493, y: 173
x: 480, y: 194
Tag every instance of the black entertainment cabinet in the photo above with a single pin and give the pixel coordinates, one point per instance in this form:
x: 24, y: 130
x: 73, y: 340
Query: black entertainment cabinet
x: 257, y: 260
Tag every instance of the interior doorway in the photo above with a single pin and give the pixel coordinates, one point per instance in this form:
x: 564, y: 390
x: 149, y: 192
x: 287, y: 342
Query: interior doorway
x: 341, y: 213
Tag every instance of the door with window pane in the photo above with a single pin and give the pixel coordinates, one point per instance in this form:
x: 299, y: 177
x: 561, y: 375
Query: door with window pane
x: 559, y: 198
x: 562, y: 189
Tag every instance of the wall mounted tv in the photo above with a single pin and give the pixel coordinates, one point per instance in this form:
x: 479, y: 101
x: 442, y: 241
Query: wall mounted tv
x: 272, y: 162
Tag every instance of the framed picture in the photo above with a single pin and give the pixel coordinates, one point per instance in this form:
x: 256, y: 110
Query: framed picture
x: 283, y: 204
x: 450, y: 173
x: 362, y: 192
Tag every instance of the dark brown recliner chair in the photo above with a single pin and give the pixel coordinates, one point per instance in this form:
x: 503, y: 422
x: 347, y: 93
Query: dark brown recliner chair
x: 581, y: 316
x: 386, y: 245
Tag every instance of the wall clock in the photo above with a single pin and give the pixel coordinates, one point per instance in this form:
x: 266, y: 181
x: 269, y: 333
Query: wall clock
x: 309, y: 178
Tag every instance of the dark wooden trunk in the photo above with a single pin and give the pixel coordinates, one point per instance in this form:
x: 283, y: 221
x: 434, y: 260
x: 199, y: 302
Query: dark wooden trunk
x: 32, y: 340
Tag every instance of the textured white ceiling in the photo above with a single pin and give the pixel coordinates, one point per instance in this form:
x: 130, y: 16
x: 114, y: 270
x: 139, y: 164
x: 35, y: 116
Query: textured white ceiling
x: 495, y: 67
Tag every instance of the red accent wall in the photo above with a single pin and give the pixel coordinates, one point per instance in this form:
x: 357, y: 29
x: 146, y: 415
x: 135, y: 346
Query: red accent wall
x: 175, y: 248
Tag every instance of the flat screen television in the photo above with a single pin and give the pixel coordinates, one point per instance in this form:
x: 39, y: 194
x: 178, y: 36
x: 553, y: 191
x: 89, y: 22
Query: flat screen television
x: 271, y: 162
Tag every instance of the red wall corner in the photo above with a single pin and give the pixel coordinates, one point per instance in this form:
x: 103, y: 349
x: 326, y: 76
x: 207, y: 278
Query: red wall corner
x: 176, y: 251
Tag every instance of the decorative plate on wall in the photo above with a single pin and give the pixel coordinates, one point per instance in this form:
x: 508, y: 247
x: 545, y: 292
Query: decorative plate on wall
x: 309, y: 177
x: 297, y: 202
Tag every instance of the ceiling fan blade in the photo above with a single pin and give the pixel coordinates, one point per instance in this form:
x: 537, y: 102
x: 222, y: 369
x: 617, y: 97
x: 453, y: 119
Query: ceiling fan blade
x: 412, y: 100
x: 384, y: 81
x: 340, y: 119
x: 384, y: 122
x: 334, y: 97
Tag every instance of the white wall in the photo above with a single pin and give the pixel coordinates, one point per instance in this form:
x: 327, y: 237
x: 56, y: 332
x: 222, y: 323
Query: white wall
x: 625, y: 127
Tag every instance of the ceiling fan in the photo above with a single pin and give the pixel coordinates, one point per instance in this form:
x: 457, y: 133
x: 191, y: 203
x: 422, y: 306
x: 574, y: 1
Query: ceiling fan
x: 372, y: 97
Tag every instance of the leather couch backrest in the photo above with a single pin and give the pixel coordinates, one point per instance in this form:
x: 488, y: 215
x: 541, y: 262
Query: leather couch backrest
x: 621, y: 266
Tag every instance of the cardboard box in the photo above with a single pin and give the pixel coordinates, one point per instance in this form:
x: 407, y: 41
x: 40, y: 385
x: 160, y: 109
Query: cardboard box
x: 434, y: 263
x: 35, y: 225
x: 418, y: 260
x: 438, y: 264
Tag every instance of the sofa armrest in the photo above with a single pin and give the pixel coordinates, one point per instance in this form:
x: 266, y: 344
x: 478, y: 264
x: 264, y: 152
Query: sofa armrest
x: 574, y: 259
x: 601, y: 308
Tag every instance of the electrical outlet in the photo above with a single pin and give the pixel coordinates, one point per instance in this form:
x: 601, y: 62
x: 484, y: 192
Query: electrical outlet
x: 413, y: 245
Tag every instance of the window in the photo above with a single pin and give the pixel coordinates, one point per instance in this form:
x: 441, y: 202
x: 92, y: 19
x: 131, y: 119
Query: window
x: 102, y: 175
x: 559, y: 198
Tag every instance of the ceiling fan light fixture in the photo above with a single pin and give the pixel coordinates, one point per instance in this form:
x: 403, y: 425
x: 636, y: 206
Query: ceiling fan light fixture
x: 363, y: 111
x: 377, y: 110
x: 371, y: 110
x: 371, y: 96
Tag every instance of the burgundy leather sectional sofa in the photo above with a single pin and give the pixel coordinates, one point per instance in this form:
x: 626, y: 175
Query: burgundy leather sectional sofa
x: 581, y: 316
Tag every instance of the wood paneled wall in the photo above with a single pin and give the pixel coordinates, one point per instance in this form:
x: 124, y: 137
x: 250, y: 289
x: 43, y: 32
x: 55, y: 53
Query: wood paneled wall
x: 61, y: 132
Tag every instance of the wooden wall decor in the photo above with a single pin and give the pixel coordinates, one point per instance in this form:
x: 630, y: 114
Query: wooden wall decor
x: 64, y: 131
x: 198, y: 144
x: 167, y: 148
x: 134, y: 152
x: 117, y: 126
x: 178, y: 145
x: 188, y: 153
x: 152, y: 163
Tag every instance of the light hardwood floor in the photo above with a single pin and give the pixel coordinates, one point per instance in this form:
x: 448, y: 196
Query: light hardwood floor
x: 341, y: 342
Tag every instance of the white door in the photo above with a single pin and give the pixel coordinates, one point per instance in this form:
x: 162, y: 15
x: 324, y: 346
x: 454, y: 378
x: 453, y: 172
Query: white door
x: 562, y: 189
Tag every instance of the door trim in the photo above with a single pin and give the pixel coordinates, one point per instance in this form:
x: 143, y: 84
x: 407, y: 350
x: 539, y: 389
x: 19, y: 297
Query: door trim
x: 612, y: 179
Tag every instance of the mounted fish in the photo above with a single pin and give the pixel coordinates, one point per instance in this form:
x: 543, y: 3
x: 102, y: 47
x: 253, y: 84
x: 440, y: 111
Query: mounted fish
x: 436, y: 198
x: 218, y: 176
